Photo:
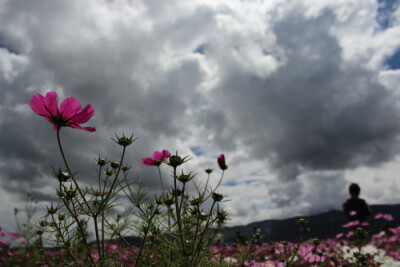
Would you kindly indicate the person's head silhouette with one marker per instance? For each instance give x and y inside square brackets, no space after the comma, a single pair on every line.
[354,190]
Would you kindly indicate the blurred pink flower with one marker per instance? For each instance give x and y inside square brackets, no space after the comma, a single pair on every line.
[158,158]
[13,236]
[365,224]
[339,235]
[388,217]
[353,212]
[70,113]
[378,216]
[352,223]
[4,242]
[349,234]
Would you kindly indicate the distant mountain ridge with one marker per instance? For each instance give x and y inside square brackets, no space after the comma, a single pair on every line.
[324,225]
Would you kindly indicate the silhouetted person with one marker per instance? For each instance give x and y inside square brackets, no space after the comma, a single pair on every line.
[356,208]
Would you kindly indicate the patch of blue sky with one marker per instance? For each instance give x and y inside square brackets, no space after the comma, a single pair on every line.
[393,62]
[247,182]
[196,150]
[385,12]
[200,49]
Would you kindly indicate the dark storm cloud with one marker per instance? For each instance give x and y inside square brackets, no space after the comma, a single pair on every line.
[116,71]
[316,112]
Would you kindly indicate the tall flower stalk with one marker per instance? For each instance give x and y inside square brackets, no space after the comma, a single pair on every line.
[174,226]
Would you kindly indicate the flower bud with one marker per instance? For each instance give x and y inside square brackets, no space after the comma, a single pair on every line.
[208,171]
[221,162]
[302,221]
[222,215]
[109,172]
[114,165]
[196,201]
[175,160]
[125,168]
[101,162]
[124,141]
[62,176]
[159,201]
[176,192]
[51,210]
[184,178]
[70,194]
[217,196]
[168,201]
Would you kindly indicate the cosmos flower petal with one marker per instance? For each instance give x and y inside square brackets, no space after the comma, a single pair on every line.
[39,105]
[70,107]
[165,154]
[157,155]
[148,161]
[83,116]
[89,129]
[52,103]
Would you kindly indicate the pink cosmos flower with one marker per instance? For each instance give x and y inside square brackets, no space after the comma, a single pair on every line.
[70,113]
[339,235]
[365,224]
[388,217]
[4,242]
[378,216]
[13,236]
[352,223]
[158,158]
[349,234]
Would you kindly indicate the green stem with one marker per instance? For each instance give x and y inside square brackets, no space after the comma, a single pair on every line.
[74,215]
[178,215]
[71,174]
[161,180]
[145,237]
[203,233]
[96,230]
[116,177]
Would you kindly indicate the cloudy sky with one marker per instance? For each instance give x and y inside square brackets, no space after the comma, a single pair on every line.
[301,96]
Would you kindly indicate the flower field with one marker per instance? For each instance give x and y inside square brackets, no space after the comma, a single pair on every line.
[382,249]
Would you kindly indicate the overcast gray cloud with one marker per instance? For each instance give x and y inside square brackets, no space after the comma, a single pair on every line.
[296,94]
